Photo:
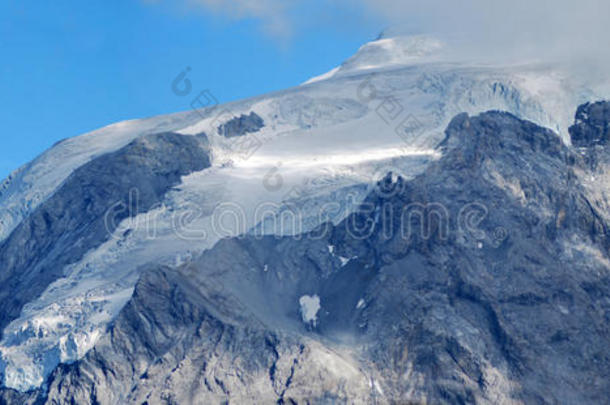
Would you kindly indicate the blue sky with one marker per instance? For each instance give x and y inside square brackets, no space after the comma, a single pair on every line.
[69,67]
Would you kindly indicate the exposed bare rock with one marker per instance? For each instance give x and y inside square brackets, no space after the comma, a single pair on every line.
[496,290]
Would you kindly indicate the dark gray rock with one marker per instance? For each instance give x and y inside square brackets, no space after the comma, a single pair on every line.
[242,125]
[506,293]
[73,220]
[496,290]
[11,397]
[591,126]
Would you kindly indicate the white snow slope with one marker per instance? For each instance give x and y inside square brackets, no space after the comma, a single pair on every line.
[383,110]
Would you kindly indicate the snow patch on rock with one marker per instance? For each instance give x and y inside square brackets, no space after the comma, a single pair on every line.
[310,305]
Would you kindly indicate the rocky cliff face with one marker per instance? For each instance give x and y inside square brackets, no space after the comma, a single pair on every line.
[73,220]
[84,212]
[486,279]
[592,125]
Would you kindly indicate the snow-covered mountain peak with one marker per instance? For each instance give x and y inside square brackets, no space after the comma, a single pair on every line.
[389,51]
[383,110]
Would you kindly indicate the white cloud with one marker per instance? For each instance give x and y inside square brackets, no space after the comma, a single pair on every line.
[496,29]
[273,14]
[527,28]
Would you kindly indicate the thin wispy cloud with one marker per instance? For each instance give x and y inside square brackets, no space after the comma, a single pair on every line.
[279,19]
[272,14]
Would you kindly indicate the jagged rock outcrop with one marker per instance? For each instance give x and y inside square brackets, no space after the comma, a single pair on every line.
[484,280]
[242,125]
[509,305]
[592,126]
